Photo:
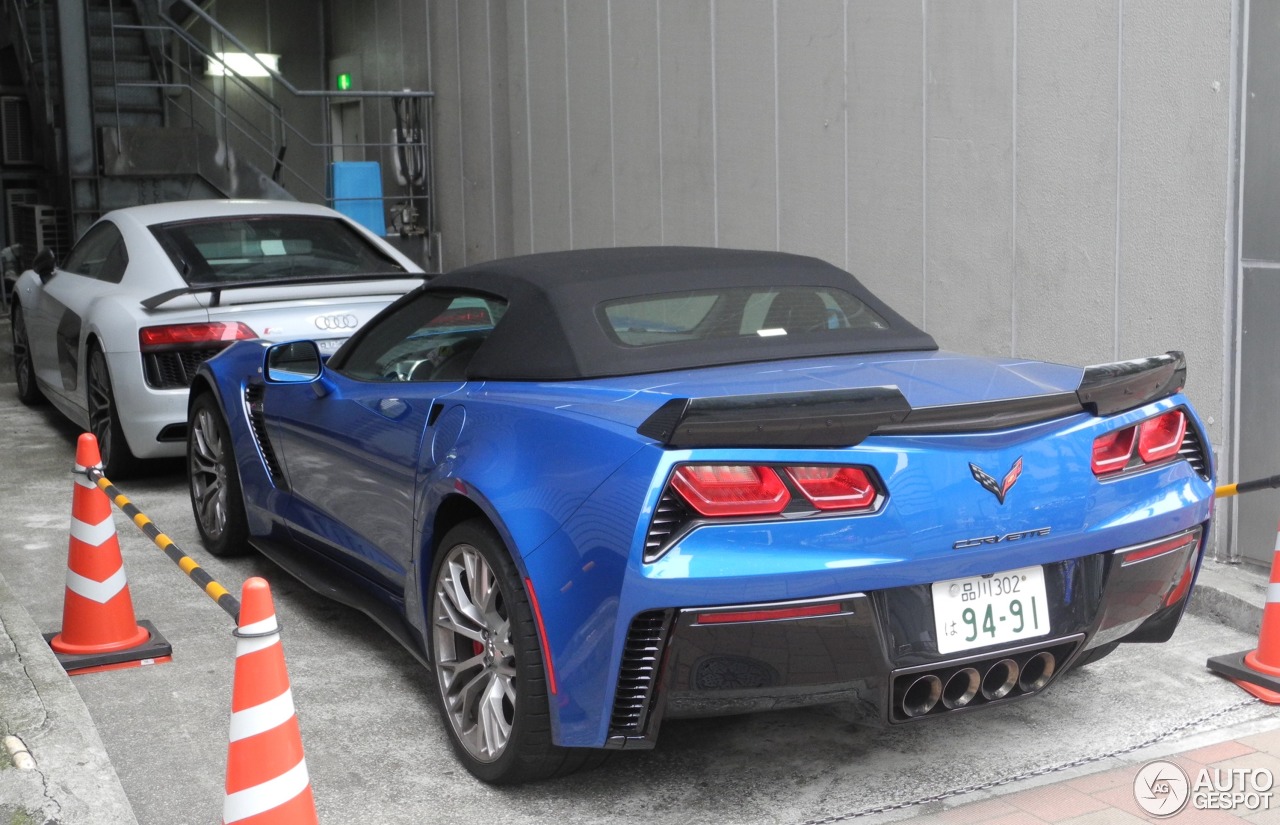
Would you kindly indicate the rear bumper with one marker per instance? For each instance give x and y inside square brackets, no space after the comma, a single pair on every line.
[878,650]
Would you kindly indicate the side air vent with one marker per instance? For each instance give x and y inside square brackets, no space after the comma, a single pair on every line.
[1194,452]
[253,404]
[638,675]
[669,517]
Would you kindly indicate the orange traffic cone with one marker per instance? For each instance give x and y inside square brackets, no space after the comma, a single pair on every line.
[98,628]
[267,781]
[1258,670]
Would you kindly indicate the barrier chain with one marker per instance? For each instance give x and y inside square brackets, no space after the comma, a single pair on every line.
[188,565]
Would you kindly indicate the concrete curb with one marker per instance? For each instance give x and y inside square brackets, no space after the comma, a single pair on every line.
[73,781]
[1230,594]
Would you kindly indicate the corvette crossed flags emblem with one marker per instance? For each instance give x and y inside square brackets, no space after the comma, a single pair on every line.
[999,489]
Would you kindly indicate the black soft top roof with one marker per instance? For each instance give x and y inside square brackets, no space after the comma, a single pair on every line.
[552,329]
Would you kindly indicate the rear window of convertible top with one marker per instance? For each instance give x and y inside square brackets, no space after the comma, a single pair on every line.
[735,312]
[266,247]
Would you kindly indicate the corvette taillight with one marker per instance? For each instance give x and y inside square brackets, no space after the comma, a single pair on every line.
[1161,437]
[731,489]
[1147,442]
[720,490]
[834,488]
[183,335]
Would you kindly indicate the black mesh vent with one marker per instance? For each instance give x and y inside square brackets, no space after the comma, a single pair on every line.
[670,515]
[1194,452]
[253,403]
[638,674]
[174,369]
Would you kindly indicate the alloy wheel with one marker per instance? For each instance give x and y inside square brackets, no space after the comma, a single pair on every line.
[474,653]
[207,465]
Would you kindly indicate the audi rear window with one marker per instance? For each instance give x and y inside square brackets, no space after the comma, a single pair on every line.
[209,252]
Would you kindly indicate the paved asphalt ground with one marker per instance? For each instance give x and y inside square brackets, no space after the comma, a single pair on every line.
[148,745]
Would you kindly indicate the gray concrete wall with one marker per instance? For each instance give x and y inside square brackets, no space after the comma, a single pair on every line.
[1023,177]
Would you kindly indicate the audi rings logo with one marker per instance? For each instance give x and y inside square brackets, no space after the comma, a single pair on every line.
[330,323]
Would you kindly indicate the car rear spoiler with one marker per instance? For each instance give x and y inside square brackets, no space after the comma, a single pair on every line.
[217,289]
[842,418]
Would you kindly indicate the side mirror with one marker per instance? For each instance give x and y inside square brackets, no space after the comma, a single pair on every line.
[44,263]
[297,362]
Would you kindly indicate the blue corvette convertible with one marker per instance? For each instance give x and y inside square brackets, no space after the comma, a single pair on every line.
[595,490]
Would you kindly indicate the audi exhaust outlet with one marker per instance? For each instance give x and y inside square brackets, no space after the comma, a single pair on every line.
[922,695]
[961,688]
[1000,679]
[1037,672]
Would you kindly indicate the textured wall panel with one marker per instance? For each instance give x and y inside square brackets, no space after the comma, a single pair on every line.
[548,130]
[590,126]
[746,100]
[447,121]
[969,168]
[688,208]
[637,164]
[811,130]
[1173,187]
[476,104]
[886,154]
[1067,108]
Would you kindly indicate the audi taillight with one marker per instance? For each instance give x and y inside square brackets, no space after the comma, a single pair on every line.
[731,489]
[834,488]
[1147,442]
[187,335]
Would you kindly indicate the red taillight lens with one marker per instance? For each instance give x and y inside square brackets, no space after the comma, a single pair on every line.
[1161,437]
[834,488]
[150,338]
[1111,451]
[769,614]
[731,489]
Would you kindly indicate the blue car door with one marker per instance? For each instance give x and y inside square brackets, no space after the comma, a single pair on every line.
[352,455]
[352,441]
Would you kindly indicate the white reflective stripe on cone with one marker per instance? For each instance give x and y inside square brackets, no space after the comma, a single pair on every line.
[100,592]
[1273,593]
[93,534]
[252,642]
[269,715]
[270,794]
[83,480]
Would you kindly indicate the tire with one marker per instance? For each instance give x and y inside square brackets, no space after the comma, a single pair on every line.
[488,663]
[23,367]
[118,460]
[214,481]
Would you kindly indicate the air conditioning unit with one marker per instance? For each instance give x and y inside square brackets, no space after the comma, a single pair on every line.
[37,226]
[16,147]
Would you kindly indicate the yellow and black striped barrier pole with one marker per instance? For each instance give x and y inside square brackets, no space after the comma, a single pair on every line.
[212,589]
[1228,490]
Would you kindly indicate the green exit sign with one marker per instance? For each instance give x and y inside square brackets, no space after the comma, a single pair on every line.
[344,82]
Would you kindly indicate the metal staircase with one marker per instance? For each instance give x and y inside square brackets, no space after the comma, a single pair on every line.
[123,114]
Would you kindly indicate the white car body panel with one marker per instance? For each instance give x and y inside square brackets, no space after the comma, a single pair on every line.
[111,315]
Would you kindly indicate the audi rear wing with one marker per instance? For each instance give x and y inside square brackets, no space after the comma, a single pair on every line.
[843,418]
[217,289]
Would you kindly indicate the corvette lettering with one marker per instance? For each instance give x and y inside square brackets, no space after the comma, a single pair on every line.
[965,544]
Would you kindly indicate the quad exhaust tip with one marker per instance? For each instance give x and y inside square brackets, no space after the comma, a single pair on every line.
[960,685]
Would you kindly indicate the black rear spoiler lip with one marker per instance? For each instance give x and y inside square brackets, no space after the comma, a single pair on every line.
[156,301]
[844,418]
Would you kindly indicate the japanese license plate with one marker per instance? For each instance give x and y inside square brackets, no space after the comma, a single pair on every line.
[330,345]
[986,610]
